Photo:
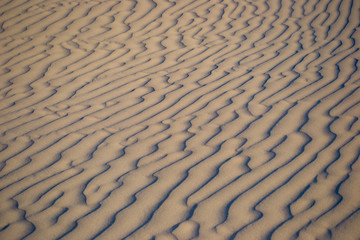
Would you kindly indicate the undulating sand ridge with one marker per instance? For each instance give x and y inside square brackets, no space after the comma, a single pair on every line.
[173,119]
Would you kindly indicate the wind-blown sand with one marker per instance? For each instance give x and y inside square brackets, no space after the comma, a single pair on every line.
[175,119]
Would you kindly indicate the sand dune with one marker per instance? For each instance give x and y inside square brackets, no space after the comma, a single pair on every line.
[171,119]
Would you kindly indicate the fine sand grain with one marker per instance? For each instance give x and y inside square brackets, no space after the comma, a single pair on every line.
[179,119]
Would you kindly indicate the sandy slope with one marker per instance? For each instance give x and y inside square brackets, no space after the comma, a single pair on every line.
[174,119]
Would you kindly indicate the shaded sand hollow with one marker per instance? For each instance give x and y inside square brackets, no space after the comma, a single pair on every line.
[179,119]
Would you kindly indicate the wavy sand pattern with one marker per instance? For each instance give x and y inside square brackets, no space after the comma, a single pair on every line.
[174,119]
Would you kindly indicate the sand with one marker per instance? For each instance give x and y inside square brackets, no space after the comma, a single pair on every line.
[175,119]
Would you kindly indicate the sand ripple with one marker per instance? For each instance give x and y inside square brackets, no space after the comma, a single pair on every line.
[170,119]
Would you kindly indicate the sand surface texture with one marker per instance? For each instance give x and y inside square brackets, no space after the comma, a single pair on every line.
[179,119]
